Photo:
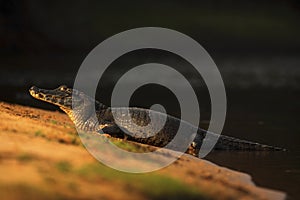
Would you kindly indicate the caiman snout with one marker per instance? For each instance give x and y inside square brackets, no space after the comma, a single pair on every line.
[33,90]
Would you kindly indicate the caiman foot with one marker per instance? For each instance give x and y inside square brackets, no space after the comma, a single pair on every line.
[105,135]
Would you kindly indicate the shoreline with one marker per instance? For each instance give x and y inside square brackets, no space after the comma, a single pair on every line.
[40,148]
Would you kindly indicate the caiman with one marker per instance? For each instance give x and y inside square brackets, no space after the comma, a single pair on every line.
[80,108]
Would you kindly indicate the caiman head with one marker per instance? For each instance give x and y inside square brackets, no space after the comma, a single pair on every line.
[67,99]
[78,106]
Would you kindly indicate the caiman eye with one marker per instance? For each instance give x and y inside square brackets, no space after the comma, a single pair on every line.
[63,87]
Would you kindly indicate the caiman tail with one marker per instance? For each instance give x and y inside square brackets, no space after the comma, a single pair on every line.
[230,143]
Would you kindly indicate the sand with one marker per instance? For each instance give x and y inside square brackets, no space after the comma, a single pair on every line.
[41,156]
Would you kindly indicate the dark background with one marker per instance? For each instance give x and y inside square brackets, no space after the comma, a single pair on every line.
[255,45]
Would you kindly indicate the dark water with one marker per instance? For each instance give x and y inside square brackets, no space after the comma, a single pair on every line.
[257,112]
[276,170]
[266,116]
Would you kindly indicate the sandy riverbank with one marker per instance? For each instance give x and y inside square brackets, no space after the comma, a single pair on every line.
[41,156]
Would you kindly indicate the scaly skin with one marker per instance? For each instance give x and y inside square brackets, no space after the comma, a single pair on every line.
[116,122]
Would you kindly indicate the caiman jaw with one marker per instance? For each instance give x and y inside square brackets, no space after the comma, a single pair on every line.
[38,94]
[60,96]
